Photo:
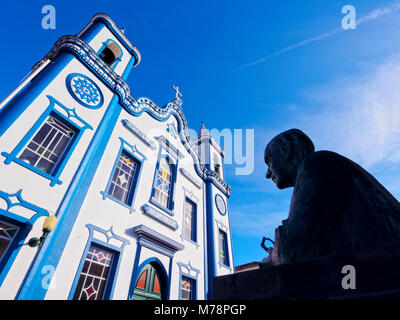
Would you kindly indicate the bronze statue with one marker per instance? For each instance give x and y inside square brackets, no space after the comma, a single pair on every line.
[336,205]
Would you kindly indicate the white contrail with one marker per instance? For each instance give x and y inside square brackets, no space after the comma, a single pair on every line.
[373,15]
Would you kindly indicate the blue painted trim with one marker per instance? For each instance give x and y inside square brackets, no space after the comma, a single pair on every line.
[51,251]
[230,234]
[12,251]
[86,55]
[164,276]
[194,226]
[170,278]
[171,128]
[215,199]
[24,224]
[188,275]
[156,242]
[128,68]
[160,242]
[226,251]
[205,249]
[68,84]
[134,271]
[133,152]
[91,32]
[16,106]
[211,273]
[154,246]
[54,176]
[117,59]
[174,173]
[40,212]
[104,19]
[112,276]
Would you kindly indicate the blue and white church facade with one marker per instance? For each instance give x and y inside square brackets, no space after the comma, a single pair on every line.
[141,208]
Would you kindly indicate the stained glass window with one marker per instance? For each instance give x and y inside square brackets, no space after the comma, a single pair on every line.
[156,284]
[94,275]
[124,173]
[163,183]
[141,283]
[222,246]
[46,148]
[187,288]
[8,232]
[189,220]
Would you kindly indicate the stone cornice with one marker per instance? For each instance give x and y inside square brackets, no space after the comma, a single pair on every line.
[143,232]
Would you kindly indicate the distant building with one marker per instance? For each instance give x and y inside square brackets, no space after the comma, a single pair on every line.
[142,209]
[247,267]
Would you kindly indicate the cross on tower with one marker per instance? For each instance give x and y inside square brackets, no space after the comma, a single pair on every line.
[178,94]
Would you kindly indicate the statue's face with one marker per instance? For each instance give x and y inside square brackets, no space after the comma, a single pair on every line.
[277,158]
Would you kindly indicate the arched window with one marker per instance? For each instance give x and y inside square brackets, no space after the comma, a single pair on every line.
[162,190]
[111,53]
[217,166]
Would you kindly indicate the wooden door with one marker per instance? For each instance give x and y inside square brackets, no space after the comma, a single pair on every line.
[148,285]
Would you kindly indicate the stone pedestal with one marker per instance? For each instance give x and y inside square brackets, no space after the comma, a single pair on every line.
[377,276]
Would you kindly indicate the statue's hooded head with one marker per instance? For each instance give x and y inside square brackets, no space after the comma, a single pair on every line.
[283,155]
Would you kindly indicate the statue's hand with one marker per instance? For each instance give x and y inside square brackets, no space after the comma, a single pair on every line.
[269,250]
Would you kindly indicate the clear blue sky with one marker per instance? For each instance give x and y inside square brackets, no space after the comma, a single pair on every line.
[342,89]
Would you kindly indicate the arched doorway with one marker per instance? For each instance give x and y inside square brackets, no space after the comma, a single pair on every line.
[148,285]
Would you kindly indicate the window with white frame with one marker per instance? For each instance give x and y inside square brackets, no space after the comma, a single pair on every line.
[223,247]
[122,180]
[189,220]
[8,233]
[187,288]
[46,148]
[162,190]
[94,275]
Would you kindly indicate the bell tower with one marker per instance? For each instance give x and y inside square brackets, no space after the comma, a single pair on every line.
[219,241]
[55,125]
[110,44]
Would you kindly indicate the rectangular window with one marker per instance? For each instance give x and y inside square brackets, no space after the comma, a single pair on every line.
[46,148]
[223,247]
[122,180]
[189,220]
[163,181]
[8,232]
[94,275]
[187,288]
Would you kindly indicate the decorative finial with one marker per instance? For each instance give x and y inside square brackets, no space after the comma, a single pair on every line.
[178,96]
[203,130]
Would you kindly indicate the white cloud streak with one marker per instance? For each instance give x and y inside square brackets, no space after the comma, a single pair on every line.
[360,117]
[371,16]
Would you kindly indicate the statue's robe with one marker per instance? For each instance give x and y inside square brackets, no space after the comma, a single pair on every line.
[336,207]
